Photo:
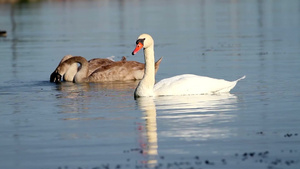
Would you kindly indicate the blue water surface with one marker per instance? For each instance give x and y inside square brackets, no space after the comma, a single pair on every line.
[100,125]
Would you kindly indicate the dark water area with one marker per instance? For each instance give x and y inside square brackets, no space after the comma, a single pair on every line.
[100,125]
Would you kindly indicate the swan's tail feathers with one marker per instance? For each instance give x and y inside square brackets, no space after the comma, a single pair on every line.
[157,63]
[241,78]
[231,86]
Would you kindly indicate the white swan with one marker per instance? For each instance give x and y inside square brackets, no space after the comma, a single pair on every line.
[186,84]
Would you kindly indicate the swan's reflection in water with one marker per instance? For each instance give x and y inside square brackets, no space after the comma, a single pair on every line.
[185,117]
[196,103]
[196,117]
[74,98]
[147,105]
[171,121]
[71,90]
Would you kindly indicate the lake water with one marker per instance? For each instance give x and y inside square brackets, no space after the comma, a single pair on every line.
[100,125]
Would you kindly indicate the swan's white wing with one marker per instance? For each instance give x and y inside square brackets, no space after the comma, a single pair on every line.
[188,84]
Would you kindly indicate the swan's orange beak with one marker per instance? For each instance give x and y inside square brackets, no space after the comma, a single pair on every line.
[138,47]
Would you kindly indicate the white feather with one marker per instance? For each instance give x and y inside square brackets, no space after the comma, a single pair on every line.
[188,84]
[112,58]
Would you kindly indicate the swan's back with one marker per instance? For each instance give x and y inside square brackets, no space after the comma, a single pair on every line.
[120,71]
[189,84]
[98,63]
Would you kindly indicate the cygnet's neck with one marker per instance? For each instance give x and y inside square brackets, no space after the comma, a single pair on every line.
[145,87]
[81,75]
[71,72]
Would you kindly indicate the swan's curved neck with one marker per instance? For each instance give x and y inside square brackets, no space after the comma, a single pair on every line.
[149,76]
[71,72]
[82,74]
[145,87]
